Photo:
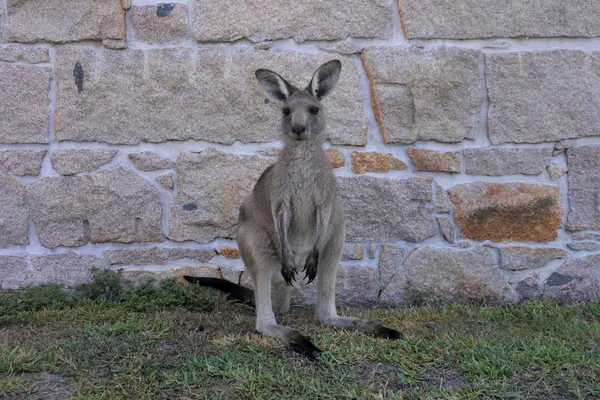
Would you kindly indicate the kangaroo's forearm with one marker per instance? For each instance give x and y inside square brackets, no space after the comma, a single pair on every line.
[282,222]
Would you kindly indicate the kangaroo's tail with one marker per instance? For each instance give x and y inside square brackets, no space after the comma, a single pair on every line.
[236,291]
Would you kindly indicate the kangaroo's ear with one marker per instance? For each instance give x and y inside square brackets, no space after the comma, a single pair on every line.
[325,79]
[274,85]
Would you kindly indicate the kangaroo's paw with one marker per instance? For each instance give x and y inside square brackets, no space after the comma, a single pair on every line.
[310,266]
[289,273]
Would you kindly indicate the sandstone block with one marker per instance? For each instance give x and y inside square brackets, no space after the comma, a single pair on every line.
[14,272]
[353,251]
[498,162]
[584,246]
[71,161]
[67,268]
[544,96]
[556,172]
[519,258]
[375,162]
[584,188]
[108,206]
[30,55]
[448,227]
[390,262]
[507,212]
[141,256]
[228,251]
[166,180]
[435,161]
[149,161]
[14,212]
[422,94]
[336,157]
[360,286]
[163,23]
[22,162]
[194,254]
[576,280]
[443,204]
[587,236]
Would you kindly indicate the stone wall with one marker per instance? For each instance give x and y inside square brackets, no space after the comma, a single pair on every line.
[465,135]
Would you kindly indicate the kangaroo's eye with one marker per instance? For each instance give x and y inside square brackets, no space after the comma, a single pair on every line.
[286,112]
[313,110]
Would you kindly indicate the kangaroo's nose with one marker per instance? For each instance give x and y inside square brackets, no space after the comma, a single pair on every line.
[298,129]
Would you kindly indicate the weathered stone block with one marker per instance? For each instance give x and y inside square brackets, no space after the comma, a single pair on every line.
[71,161]
[519,258]
[477,19]
[498,162]
[435,161]
[345,48]
[529,288]
[142,256]
[556,172]
[166,180]
[584,246]
[194,254]
[424,94]
[67,268]
[24,103]
[210,189]
[228,251]
[336,157]
[30,55]
[14,212]
[163,23]
[584,188]
[387,209]
[544,96]
[22,162]
[165,89]
[443,204]
[307,20]
[58,21]
[375,162]
[448,227]
[149,161]
[14,272]
[587,236]
[108,206]
[576,280]
[360,286]
[507,212]
[353,251]
[390,261]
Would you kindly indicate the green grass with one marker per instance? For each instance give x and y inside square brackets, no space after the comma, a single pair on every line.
[174,342]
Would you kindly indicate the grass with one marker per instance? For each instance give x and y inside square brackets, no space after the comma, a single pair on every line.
[170,341]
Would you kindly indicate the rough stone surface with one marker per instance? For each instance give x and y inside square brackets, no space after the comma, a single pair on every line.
[562,146]
[270,151]
[30,55]
[353,251]
[210,189]
[544,96]
[194,254]
[336,157]
[447,275]
[114,44]
[163,23]
[529,288]
[141,256]
[443,204]
[32,21]
[215,88]
[375,162]
[499,162]
[14,272]
[584,246]
[67,268]
[306,20]
[586,236]
[519,258]
[422,94]
[584,188]
[478,19]
[228,251]
[386,209]
[149,161]
[344,48]
[21,162]
[390,261]
[108,206]
[507,212]
[166,180]
[435,161]
[448,227]
[14,212]
[576,280]
[24,103]
[71,161]
[556,172]
[360,286]
[372,250]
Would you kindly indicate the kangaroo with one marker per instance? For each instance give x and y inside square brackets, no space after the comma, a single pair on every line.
[293,218]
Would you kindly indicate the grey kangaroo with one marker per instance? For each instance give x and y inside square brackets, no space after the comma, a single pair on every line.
[293,218]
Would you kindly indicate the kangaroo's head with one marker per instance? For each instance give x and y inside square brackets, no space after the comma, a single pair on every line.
[302,116]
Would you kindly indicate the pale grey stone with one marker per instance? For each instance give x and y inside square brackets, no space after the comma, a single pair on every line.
[22,162]
[556,172]
[498,162]
[30,55]
[544,96]
[14,212]
[107,206]
[372,250]
[214,88]
[562,146]
[422,94]
[114,44]
[443,204]
[140,256]
[390,261]
[478,19]
[211,186]
[230,274]
[14,272]
[519,258]
[24,103]
[576,280]
[587,236]
[194,254]
[270,151]
[457,275]
[288,19]
[162,23]
[387,209]
[353,251]
[67,268]
[59,21]
[75,161]
[448,227]
[584,188]
[166,180]
[149,161]
[345,48]
[584,246]
[360,286]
